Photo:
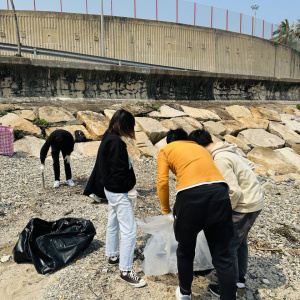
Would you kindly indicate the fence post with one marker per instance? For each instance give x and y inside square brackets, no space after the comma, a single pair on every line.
[7,5]
[60,5]
[111,7]
[134,2]
[272,32]
[263,30]
[241,16]
[156,11]
[34,5]
[280,35]
[194,13]
[286,37]
[211,16]
[86,6]
[227,19]
[176,11]
[292,40]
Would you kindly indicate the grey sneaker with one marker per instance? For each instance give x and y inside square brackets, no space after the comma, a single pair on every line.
[179,296]
[241,283]
[132,279]
[70,182]
[56,184]
[114,260]
[95,198]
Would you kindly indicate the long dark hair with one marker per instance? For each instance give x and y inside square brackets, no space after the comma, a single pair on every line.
[122,123]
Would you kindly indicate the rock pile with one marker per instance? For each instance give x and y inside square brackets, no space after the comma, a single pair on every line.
[270,138]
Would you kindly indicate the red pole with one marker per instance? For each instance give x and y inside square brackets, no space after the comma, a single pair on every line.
[7,5]
[211,16]
[86,6]
[111,8]
[280,35]
[60,5]
[241,15]
[176,11]
[263,33]
[252,25]
[292,40]
[156,11]
[272,31]
[134,8]
[34,5]
[227,19]
[286,35]
[194,13]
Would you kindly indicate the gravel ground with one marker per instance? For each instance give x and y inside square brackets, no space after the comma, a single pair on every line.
[274,264]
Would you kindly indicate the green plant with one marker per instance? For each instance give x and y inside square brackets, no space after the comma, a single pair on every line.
[3,102]
[298,106]
[3,113]
[9,109]
[42,123]
[140,103]
[154,106]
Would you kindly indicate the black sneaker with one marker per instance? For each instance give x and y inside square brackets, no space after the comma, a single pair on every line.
[132,279]
[114,260]
[241,283]
[214,289]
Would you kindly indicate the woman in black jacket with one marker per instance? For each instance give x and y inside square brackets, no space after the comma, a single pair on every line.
[118,179]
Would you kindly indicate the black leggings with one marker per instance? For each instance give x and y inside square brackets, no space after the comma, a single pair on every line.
[205,207]
[56,167]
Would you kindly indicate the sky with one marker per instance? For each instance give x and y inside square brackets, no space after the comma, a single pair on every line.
[272,11]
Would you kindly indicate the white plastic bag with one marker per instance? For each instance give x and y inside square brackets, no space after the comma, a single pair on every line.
[160,250]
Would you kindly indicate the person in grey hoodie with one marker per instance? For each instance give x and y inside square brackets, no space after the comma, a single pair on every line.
[245,193]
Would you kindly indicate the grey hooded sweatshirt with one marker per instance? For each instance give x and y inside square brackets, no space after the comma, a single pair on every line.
[244,188]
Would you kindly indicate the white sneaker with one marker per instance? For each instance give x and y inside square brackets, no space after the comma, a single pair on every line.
[56,184]
[179,296]
[70,182]
[95,198]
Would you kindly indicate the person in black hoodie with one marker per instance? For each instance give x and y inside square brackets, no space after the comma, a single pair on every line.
[118,180]
[59,140]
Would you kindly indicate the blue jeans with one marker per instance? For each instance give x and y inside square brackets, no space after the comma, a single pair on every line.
[238,246]
[120,218]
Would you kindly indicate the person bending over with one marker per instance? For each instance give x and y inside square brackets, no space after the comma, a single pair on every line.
[59,140]
[245,194]
[202,203]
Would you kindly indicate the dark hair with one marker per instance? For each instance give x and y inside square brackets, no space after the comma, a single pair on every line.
[176,135]
[201,137]
[122,123]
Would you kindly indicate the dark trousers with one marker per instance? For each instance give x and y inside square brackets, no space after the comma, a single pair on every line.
[238,245]
[56,167]
[206,207]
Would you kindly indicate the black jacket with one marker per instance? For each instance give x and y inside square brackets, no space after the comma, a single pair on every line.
[59,140]
[114,164]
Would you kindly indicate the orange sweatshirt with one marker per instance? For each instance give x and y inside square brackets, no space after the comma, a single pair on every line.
[191,164]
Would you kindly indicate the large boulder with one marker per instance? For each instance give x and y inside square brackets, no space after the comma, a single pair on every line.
[254,123]
[153,128]
[234,140]
[233,127]
[166,112]
[260,138]
[18,123]
[293,125]
[30,145]
[296,148]
[26,114]
[238,111]
[269,114]
[289,156]
[87,149]
[54,114]
[290,136]
[270,160]
[71,129]
[186,123]
[144,145]
[6,107]
[215,128]
[200,114]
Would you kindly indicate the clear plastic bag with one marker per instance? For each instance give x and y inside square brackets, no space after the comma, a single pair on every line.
[160,250]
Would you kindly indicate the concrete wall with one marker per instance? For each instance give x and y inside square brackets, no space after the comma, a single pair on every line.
[153,42]
[25,77]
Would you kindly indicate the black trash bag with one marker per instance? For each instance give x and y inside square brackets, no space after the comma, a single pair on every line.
[51,245]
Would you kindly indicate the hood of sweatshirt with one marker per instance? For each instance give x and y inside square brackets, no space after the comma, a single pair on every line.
[224,146]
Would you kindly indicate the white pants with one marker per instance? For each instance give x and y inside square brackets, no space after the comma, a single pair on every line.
[120,218]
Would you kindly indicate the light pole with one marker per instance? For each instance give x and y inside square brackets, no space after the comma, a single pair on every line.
[255,8]
[102,30]
[17,28]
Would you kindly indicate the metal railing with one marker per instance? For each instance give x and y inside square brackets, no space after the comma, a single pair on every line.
[84,57]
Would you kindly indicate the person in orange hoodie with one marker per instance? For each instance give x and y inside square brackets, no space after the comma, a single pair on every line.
[202,203]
